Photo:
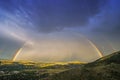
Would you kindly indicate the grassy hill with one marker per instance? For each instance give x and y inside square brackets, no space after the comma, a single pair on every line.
[106,68]
[28,70]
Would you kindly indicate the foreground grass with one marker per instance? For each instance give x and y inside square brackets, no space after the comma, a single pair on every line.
[106,68]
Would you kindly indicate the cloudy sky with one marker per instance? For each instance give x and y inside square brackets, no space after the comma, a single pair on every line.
[59,30]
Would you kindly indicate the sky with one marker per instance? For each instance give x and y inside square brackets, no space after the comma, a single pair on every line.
[59,30]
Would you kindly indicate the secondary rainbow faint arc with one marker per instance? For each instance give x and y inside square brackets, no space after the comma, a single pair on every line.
[110,45]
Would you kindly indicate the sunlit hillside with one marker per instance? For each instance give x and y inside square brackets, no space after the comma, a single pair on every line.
[24,70]
[106,68]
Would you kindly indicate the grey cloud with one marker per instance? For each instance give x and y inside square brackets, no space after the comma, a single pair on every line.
[108,21]
[54,15]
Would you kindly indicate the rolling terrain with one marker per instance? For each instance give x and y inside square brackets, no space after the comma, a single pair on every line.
[105,68]
[28,70]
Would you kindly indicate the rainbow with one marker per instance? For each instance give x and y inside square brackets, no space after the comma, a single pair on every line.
[16,54]
[94,46]
[90,42]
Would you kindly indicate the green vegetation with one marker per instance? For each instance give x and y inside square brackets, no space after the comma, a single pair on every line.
[106,68]
[27,70]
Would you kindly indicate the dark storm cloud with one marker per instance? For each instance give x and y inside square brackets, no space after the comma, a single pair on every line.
[66,14]
[54,15]
[108,20]
[7,47]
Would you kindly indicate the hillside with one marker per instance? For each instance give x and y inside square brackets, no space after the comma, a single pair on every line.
[28,70]
[106,68]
